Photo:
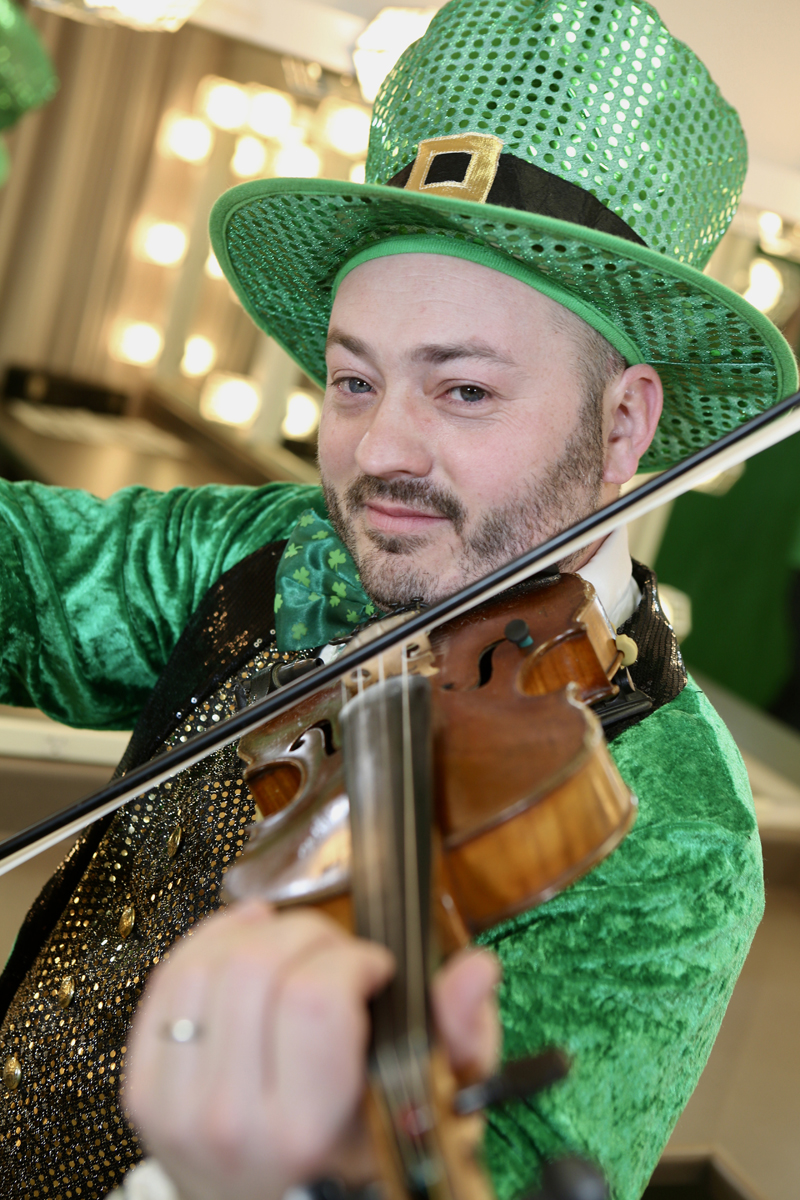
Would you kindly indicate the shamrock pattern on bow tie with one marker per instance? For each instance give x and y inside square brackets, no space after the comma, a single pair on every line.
[318,592]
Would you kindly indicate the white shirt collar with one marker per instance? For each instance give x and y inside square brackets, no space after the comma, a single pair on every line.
[610,572]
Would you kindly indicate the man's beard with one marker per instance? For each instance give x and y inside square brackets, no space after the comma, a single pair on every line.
[569,490]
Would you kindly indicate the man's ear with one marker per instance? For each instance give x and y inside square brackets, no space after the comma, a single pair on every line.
[632,404]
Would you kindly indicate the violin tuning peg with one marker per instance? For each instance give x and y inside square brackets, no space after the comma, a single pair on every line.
[572,1178]
[519,1079]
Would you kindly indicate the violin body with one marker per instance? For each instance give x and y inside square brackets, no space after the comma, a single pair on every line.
[527,797]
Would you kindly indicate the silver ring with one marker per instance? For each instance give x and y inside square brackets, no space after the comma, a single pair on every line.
[182,1031]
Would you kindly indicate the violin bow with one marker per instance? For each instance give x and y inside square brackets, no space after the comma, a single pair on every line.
[759,433]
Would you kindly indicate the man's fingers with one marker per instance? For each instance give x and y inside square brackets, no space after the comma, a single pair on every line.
[465,1007]
[273,999]
[194,985]
[320,1044]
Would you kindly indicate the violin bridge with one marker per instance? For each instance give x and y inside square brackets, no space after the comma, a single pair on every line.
[414,656]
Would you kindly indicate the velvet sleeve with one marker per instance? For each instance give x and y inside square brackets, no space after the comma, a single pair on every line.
[630,970]
[94,593]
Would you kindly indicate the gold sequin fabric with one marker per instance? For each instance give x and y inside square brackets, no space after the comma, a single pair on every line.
[62,1131]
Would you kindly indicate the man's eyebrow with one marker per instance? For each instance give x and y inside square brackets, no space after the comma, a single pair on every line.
[338,337]
[437,355]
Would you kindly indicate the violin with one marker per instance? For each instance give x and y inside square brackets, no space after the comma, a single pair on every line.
[435,791]
[527,795]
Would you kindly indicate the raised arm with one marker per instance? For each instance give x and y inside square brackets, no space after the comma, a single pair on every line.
[95,593]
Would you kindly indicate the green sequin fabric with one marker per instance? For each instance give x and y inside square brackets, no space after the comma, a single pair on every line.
[597,93]
[600,94]
[318,595]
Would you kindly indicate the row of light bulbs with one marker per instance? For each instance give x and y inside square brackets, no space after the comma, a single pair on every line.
[261,112]
[264,113]
[272,139]
[765,285]
[226,397]
[139,343]
[236,400]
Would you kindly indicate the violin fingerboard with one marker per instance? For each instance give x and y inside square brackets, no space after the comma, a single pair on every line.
[387,745]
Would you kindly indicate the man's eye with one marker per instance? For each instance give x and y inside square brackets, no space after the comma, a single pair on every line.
[354,385]
[469,393]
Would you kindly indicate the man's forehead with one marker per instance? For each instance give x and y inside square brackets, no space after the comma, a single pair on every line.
[435,308]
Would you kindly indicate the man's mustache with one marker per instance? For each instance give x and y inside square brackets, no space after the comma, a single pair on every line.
[411,492]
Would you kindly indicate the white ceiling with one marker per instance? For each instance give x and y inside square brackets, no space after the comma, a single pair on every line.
[311,29]
[752,51]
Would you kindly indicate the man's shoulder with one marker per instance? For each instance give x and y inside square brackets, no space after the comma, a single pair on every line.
[684,765]
[248,518]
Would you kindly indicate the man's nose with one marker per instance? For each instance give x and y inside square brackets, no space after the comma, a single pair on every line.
[398,439]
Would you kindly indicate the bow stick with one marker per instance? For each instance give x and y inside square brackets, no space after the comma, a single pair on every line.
[759,433]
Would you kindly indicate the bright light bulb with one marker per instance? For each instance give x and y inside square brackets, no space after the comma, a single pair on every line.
[144,12]
[302,415]
[161,242]
[250,157]
[358,172]
[297,162]
[137,342]
[167,15]
[212,268]
[225,104]
[185,137]
[231,399]
[345,127]
[383,41]
[766,285]
[271,113]
[199,356]
[771,225]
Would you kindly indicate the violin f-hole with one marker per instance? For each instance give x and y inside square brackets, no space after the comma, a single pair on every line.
[485,665]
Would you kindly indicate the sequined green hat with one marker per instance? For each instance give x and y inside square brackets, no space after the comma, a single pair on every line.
[574,144]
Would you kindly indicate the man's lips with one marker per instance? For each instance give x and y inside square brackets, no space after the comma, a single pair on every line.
[398,518]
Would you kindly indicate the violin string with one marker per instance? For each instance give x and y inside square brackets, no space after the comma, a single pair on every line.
[415,977]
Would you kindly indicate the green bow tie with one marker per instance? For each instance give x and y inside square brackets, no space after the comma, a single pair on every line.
[318,592]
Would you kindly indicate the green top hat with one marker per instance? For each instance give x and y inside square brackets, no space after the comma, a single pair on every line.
[574,144]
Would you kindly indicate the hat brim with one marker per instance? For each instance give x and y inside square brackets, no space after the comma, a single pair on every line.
[282,242]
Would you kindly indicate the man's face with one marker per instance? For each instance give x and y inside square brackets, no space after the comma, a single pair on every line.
[456,431]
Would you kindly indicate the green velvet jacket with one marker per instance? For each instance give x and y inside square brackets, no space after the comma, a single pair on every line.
[630,969]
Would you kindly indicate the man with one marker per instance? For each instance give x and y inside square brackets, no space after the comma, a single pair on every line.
[498,330]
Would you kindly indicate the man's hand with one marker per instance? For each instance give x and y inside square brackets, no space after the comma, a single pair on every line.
[267,1093]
